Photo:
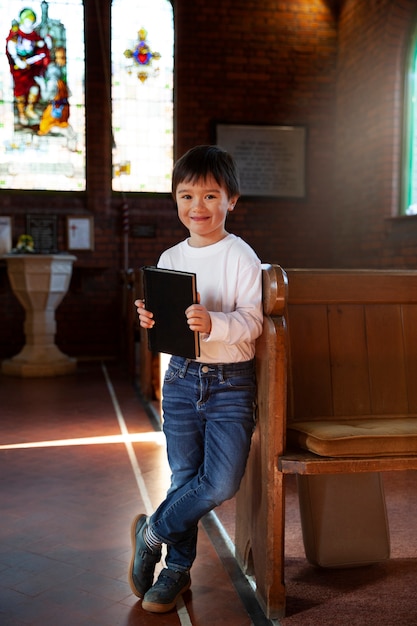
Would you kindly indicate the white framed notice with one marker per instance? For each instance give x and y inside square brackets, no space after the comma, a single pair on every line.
[5,234]
[271,159]
[80,233]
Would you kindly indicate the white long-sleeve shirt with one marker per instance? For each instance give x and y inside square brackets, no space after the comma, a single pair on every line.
[229,281]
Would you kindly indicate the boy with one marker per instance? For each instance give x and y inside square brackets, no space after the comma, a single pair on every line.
[208,404]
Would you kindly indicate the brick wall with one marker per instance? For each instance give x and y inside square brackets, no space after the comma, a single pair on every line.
[329,65]
[371,58]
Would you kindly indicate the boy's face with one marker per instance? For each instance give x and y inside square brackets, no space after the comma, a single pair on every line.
[203,208]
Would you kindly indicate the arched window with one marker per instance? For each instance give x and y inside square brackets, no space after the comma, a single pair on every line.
[409,190]
[142,40]
[42,112]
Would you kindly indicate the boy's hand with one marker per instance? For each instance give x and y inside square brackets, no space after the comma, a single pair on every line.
[145,317]
[198,318]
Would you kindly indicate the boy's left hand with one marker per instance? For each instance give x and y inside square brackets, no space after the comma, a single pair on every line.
[198,318]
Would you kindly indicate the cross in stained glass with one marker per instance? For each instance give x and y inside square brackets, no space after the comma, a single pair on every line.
[142,57]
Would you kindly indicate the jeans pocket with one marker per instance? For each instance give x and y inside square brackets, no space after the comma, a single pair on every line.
[241,382]
[171,374]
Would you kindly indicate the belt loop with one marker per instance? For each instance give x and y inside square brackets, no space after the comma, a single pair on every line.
[221,373]
[184,368]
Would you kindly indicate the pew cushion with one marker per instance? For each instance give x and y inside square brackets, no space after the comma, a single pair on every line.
[356,437]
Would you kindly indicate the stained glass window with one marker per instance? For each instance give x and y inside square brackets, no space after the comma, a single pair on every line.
[42,113]
[142,101]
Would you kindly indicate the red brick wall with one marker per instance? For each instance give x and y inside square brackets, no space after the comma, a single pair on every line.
[270,64]
[333,66]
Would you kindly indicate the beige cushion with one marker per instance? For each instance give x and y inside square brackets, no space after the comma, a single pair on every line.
[356,437]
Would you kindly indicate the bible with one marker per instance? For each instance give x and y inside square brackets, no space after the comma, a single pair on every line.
[168,293]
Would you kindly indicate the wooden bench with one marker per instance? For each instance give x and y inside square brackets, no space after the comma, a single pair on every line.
[337,395]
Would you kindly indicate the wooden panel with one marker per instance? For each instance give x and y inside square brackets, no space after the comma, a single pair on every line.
[259,536]
[310,393]
[386,359]
[354,286]
[349,360]
[409,314]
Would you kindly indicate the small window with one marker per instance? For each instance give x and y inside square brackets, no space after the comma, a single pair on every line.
[142,42]
[409,192]
[42,112]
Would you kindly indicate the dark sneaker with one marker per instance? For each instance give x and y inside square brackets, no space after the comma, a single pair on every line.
[163,596]
[143,561]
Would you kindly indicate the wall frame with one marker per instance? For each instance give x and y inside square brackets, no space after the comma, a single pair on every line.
[80,232]
[5,234]
[44,230]
[271,159]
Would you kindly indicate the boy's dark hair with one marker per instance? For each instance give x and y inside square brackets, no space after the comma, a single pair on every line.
[203,161]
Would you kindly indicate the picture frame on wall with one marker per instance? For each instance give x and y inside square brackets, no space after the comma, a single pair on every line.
[5,234]
[271,159]
[44,231]
[80,232]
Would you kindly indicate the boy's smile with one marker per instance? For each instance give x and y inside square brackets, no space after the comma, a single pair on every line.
[202,208]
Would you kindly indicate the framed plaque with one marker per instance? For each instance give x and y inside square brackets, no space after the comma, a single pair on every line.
[43,230]
[80,232]
[271,159]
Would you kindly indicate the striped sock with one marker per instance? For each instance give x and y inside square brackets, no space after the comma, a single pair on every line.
[151,540]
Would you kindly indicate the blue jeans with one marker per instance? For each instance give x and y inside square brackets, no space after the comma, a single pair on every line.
[209,417]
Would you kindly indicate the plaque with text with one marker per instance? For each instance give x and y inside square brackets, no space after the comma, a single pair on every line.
[270,159]
[43,229]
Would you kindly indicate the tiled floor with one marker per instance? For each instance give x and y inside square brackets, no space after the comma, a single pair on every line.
[79,457]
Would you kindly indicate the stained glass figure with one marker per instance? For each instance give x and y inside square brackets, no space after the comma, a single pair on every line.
[42,127]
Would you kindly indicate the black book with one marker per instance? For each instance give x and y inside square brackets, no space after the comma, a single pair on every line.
[168,293]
